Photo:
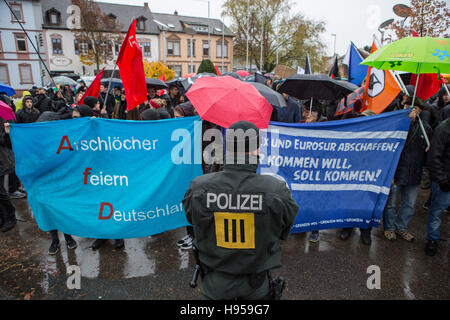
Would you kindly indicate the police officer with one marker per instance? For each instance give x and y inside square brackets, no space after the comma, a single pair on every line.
[239,217]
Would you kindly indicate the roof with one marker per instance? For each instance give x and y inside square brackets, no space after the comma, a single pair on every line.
[124,13]
[179,21]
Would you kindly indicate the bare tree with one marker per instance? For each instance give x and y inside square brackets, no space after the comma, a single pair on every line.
[427,18]
[97,35]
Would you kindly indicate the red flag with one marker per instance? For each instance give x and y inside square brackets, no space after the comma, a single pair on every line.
[94,88]
[131,69]
[163,77]
[429,83]
[217,70]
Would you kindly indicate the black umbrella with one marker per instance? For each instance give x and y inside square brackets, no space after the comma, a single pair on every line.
[274,98]
[232,74]
[347,85]
[307,86]
[260,78]
[115,82]
[155,83]
[177,82]
[187,83]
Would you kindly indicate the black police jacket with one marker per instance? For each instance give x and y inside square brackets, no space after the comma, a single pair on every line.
[238,218]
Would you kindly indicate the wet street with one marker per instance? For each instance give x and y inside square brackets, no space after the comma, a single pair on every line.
[155,268]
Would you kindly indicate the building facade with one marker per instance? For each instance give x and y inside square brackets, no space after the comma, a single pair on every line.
[64,51]
[176,35]
[20,66]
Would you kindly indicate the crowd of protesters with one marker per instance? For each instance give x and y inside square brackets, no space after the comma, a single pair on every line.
[419,165]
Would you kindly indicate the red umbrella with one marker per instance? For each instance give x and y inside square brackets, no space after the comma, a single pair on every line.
[226,100]
[6,112]
[189,75]
[243,73]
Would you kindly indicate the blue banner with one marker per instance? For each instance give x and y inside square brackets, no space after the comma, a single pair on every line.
[339,172]
[108,179]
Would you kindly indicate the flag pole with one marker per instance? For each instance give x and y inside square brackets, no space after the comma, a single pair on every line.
[109,84]
[446,89]
[427,140]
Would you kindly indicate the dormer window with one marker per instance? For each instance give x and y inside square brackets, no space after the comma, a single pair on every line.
[141,23]
[112,20]
[53,17]
[199,28]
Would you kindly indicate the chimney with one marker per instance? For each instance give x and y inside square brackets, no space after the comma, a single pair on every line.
[175,12]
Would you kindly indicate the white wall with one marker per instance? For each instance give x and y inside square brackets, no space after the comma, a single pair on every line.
[32,24]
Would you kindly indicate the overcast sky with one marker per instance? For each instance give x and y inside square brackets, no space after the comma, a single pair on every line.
[350,20]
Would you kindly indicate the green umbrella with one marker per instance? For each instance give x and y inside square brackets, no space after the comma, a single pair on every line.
[415,55]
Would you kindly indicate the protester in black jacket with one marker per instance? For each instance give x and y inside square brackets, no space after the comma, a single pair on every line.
[439,165]
[407,180]
[28,113]
[43,102]
[110,100]
[292,113]
[7,210]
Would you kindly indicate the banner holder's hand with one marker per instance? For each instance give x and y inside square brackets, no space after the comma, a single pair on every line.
[6,125]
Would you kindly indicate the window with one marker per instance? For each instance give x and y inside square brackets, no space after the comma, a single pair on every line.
[84,48]
[111,21]
[21,43]
[4,74]
[219,49]
[173,48]
[205,48]
[77,47]
[177,70]
[25,73]
[200,28]
[57,46]
[225,69]
[116,48]
[140,25]
[147,50]
[17,11]
[191,68]
[110,48]
[53,18]
[189,48]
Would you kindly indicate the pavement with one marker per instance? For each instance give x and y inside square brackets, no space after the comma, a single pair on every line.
[155,268]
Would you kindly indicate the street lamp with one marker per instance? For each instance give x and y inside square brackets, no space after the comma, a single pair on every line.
[191,32]
[209,32]
[163,27]
[248,30]
[334,50]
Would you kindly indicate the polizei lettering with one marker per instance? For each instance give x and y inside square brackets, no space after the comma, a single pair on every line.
[234,201]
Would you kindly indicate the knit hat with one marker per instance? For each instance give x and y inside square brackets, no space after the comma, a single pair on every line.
[243,133]
[84,110]
[154,104]
[150,114]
